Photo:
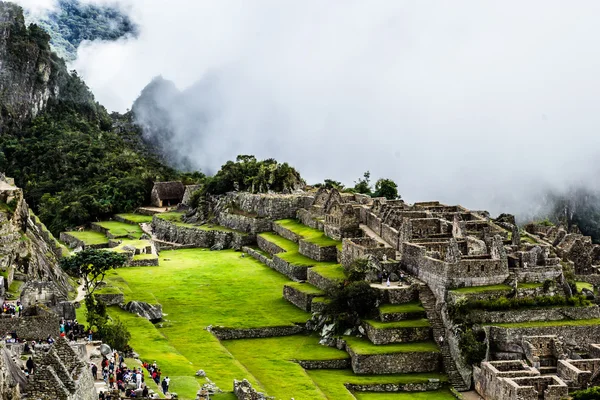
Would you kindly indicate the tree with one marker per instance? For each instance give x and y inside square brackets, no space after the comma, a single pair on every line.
[331,184]
[386,188]
[363,185]
[91,265]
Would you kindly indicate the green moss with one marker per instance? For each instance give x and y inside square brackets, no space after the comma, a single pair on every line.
[15,287]
[364,347]
[482,289]
[412,307]
[408,323]
[584,285]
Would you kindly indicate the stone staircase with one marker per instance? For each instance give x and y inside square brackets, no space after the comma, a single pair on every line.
[429,303]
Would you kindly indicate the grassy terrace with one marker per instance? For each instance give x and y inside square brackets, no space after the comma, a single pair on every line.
[271,361]
[363,346]
[90,237]
[408,323]
[412,307]
[309,234]
[197,288]
[306,288]
[145,257]
[334,272]
[285,244]
[542,324]
[482,289]
[138,244]
[436,395]
[108,290]
[136,218]
[119,229]
[177,219]
[331,382]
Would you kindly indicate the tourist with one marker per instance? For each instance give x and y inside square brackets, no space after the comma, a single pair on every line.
[165,384]
[111,380]
[388,282]
[95,371]
[138,379]
[90,336]
[30,366]
[101,396]
[441,340]
[145,391]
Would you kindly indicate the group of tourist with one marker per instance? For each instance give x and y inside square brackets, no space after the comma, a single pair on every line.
[12,309]
[129,382]
[71,329]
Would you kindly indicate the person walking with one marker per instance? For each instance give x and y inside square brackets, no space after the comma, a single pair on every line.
[30,366]
[95,371]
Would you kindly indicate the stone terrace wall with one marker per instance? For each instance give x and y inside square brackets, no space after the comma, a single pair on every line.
[244,224]
[396,363]
[294,272]
[539,314]
[306,218]
[268,246]
[258,256]
[398,335]
[299,298]
[317,252]
[577,336]
[270,206]
[190,235]
[31,328]
[233,333]
[73,242]
[286,233]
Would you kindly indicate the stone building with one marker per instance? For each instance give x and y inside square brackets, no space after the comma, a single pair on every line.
[166,194]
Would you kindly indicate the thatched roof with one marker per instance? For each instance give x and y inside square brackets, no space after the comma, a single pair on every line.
[169,190]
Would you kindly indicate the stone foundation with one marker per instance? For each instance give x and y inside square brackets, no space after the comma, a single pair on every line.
[394,363]
[198,237]
[268,246]
[396,335]
[325,364]
[30,328]
[250,333]
[317,252]
[294,272]
[298,298]
[320,281]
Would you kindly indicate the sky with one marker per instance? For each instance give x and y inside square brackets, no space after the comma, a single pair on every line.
[486,104]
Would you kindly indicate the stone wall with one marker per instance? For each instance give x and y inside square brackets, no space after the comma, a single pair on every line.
[286,233]
[146,262]
[191,235]
[432,384]
[356,248]
[306,218]
[316,252]
[243,390]
[396,335]
[73,242]
[110,299]
[258,256]
[250,333]
[270,206]
[299,298]
[244,223]
[534,314]
[292,271]
[395,363]
[268,246]
[31,328]
[325,364]
[320,281]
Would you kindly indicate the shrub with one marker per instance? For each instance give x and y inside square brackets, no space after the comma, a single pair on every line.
[592,393]
[472,346]
[548,283]
[115,334]
[358,270]
[503,303]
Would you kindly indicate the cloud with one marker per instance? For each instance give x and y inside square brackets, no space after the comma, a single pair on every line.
[479,103]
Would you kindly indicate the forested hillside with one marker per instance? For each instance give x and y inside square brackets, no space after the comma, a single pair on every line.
[73,22]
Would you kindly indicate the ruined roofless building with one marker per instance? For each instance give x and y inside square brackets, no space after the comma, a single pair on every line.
[167,193]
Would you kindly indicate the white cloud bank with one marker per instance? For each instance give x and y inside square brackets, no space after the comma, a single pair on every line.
[482,103]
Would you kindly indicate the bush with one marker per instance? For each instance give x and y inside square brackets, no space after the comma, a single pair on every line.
[358,270]
[592,393]
[548,283]
[472,346]
[115,334]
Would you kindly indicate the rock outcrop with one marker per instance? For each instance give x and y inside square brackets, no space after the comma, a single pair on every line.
[148,311]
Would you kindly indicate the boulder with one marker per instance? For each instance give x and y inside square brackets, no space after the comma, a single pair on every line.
[201,373]
[394,277]
[588,294]
[105,349]
[145,310]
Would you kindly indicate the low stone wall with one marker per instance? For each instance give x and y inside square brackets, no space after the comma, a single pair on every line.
[258,256]
[395,363]
[318,306]
[319,281]
[577,336]
[286,233]
[151,262]
[433,384]
[191,235]
[31,328]
[298,298]
[73,242]
[325,364]
[538,274]
[317,252]
[294,272]
[110,299]
[244,223]
[243,390]
[399,295]
[306,218]
[395,317]
[397,335]
[452,297]
[534,314]
[268,246]
[233,333]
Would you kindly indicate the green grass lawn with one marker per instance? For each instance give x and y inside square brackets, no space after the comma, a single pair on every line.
[309,234]
[482,289]
[364,346]
[408,323]
[334,272]
[284,243]
[331,381]
[136,218]
[197,288]
[119,229]
[270,360]
[145,257]
[108,290]
[412,307]
[434,395]
[540,324]
[90,237]
[138,244]
[306,288]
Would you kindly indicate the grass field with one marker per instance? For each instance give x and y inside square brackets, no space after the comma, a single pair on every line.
[412,307]
[117,228]
[306,288]
[90,237]
[136,218]
[197,288]
[364,346]
[436,395]
[482,289]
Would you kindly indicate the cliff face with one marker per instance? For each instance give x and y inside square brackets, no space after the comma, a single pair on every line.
[26,247]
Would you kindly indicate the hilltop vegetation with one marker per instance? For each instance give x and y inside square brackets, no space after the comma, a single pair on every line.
[73,22]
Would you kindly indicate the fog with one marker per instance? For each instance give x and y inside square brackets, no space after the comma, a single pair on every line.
[486,104]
